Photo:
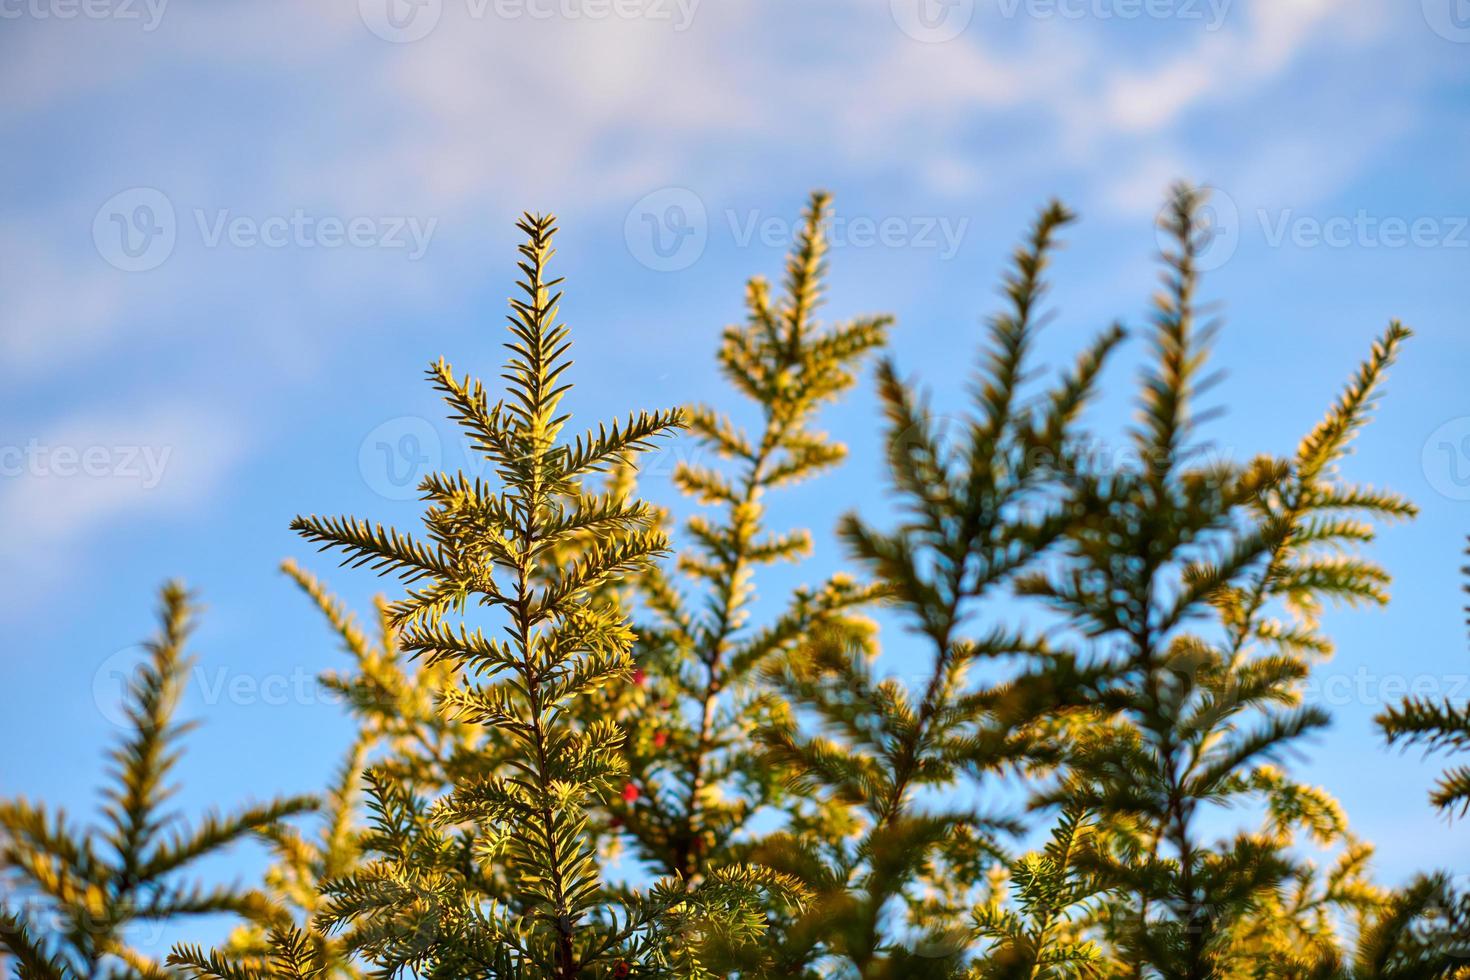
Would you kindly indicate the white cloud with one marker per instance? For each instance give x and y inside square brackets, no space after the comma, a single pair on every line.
[490,114]
[1142,189]
[52,304]
[1231,62]
[99,469]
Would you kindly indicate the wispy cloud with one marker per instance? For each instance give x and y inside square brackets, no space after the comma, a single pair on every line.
[93,470]
[52,303]
[1258,44]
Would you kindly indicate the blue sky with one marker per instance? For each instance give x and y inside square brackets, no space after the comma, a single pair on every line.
[233,234]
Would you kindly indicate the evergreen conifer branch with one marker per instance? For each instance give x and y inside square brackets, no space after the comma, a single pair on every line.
[542,551]
[76,901]
[1436,725]
[691,785]
[1043,935]
[979,507]
[808,814]
[1237,540]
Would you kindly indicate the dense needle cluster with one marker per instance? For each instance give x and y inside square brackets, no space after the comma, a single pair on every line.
[579,754]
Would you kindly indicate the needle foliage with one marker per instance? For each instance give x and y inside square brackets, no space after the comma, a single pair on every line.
[695,780]
[1044,718]
[77,896]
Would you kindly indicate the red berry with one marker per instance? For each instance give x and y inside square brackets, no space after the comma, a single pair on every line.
[660,739]
[638,676]
[622,969]
[630,793]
